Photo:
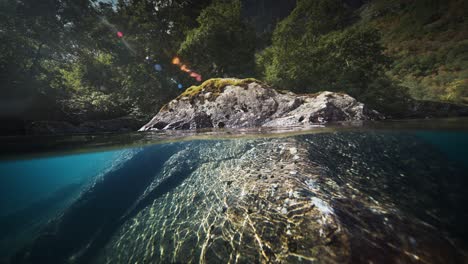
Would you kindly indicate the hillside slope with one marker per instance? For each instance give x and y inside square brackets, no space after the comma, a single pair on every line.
[428,39]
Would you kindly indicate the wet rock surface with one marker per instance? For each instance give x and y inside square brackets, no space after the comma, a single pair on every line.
[344,197]
[252,104]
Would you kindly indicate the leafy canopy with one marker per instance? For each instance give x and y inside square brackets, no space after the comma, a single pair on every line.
[223,44]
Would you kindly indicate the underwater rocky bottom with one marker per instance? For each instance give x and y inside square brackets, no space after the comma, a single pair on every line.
[340,197]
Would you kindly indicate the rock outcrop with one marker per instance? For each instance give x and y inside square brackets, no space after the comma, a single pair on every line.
[234,103]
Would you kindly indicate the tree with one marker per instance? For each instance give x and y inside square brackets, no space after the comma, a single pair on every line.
[61,59]
[33,37]
[223,44]
[313,49]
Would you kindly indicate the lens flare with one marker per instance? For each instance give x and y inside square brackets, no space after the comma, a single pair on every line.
[184,68]
[158,67]
[176,61]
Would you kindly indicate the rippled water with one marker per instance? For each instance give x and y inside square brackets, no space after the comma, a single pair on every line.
[392,192]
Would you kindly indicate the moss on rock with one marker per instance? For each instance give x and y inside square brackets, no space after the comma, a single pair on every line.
[214,86]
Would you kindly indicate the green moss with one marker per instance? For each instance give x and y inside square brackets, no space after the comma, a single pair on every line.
[164,108]
[215,86]
[282,91]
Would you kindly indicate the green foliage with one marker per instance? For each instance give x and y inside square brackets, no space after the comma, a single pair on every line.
[282,63]
[92,88]
[429,45]
[33,37]
[61,59]
[222,44]
[310,18]
[323,54]
[65,54]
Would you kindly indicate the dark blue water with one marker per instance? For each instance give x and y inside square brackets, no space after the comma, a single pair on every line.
[88,199]
[453,144]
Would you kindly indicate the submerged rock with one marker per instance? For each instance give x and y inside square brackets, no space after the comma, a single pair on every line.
[318,214]
[236,201]
[234,103]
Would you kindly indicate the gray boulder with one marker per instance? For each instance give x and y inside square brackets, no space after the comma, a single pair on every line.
[234,103]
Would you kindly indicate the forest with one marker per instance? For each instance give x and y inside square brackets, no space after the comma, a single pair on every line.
[79,60]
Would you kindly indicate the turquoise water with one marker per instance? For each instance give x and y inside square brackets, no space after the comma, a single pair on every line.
[22,182]
[34,191]
[374,194]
